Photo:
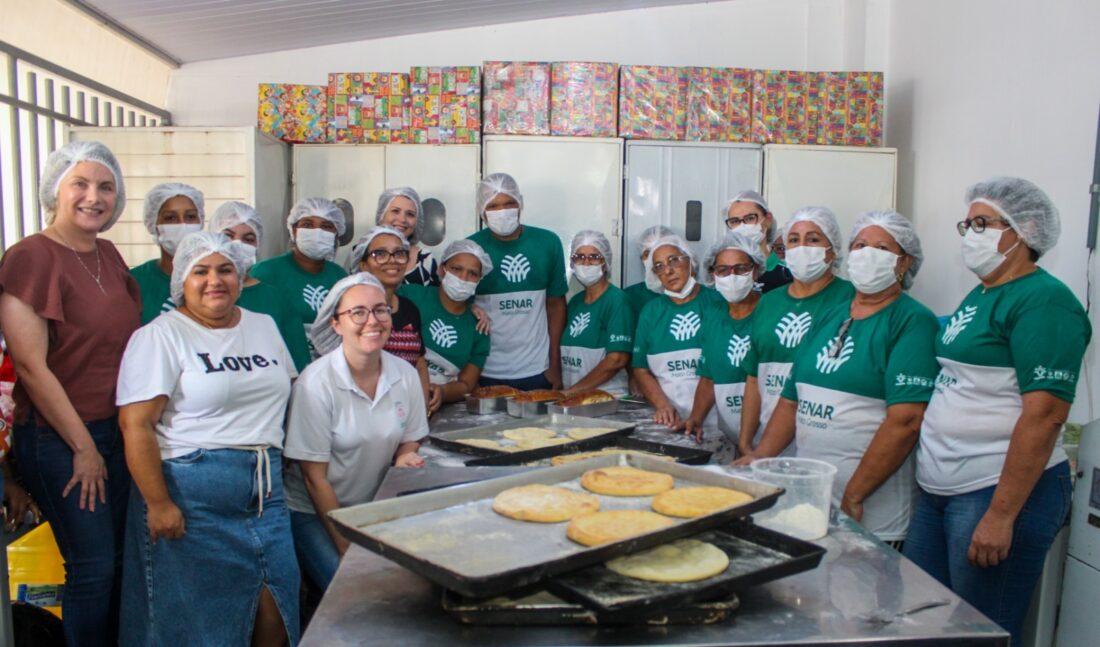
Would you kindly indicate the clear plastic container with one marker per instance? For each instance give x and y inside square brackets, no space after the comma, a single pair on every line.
[803,511]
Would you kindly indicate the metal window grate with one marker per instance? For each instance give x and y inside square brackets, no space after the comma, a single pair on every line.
[37,99]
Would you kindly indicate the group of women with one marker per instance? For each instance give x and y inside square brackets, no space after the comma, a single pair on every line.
[244,400]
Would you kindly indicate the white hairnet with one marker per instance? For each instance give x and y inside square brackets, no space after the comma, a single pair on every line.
[903,233]
[1025,206]
[748,195]
[650,235]
[195,247]
[387,197]
[62,160]
[161,193]
[319,207]
[233,213]
[679,243]
[467,246]
[359,249]
[595,239]
[732,240]
[322,335]
[494,185]
[825,219]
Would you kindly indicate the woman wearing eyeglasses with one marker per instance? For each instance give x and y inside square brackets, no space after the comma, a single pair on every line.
[599,329]
[994,480]
[784,317]
[862,379]
[400,208]
[668,341]
[747,213]
[353,413]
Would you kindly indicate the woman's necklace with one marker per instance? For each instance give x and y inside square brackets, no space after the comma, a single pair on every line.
[98,268]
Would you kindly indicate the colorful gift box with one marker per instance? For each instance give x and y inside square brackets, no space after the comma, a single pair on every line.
[368,107]
[293,113]
[853,109]
[780,114]
[652,102]
[269,118]
[826,108]
[516,98]
[446,105]
[719,104]
[583,99]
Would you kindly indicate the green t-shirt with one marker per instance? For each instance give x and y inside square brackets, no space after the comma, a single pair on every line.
[526,271]
[638,295]
[268,300]
[305,291]
[592,330]
[1026,335]
[842,394]
[725,344]
[771,262]
[450,341]
[156,291]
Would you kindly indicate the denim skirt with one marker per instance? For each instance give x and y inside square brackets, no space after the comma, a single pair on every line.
[204,588]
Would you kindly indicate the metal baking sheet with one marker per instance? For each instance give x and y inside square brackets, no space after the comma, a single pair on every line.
[524,409]
[557,422]
[589,410]
[540,607]
[482,406]
[685,455]
[453,537]
[757,555]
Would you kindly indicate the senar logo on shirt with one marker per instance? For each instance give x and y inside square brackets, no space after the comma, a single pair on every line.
[737,349]
[684,326]
[958,323]
[444,335]
[580,322]
[168,305]
[314,296]
[515,267]
[827,363]
[792,328]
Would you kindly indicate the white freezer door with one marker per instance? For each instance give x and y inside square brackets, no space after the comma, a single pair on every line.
[846,179]
[1078,622]
[683,185]
[354,173]
[568,183]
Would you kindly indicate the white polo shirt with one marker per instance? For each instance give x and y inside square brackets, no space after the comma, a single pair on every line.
[333,421]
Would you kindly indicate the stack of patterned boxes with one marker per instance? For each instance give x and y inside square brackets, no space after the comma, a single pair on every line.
[781,111]
[446,105]
[516,98]
[652,102]
[853,108]
[293,113]
[583,98]
[827,108]
[719,104]
[368,107]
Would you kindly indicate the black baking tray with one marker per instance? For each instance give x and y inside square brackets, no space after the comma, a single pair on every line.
[757,555]
[685,455]
[448,440]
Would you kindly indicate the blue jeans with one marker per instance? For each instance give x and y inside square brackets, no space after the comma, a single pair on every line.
[90,542]
[316,553]
[537,381]
[940,533]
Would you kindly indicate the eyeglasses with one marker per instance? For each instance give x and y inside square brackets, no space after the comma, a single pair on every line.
[382,313]
[741,269]
[670,262]
[383,256]
[587,259]
[735,221]
[978,224]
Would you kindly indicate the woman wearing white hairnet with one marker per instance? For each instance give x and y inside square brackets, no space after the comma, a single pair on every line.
[172,210]
[455,350]
[524,295]
[599,334]
[67,306]
[785,316]
[732,266]
[862,379]
[241,224]
[306,272]
[649,287]
[400,209]
[747,213]
[668,340]
[355,412]
[994,480]
[203,391]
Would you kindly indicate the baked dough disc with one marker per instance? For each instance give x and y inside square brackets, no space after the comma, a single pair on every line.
[697,501]
[684,560]
[484,443]
[580,456]
[528,433]
[625,481]
[538,443]
[583,433]
[613,525]
[544,503]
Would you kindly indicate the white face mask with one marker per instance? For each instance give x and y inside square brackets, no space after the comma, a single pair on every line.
[683,294]
[807,263]
[588,275]
[457,289]
[246,252]
[872,270]
[753,232]
[652,281]
[735,287]
[502,222]
[979,251]
[318,244]
[169,236]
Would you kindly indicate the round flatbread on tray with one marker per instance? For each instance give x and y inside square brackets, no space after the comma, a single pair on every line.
[565,459]
[625,481]
[484,443]
[544,503]
[584,433]
[605,527]
[539,443]
[528,433]
[684,560]
[697,501]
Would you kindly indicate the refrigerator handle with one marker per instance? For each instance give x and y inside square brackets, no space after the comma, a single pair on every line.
[693,220]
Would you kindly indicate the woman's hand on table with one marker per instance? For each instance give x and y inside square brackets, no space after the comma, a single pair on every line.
[666,415]
[693,427]
[435,398]
[409,459]
[851,507]
[165,521]
[745,459]
[991,540]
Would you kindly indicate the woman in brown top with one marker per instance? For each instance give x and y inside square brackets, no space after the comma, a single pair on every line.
[67,308]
